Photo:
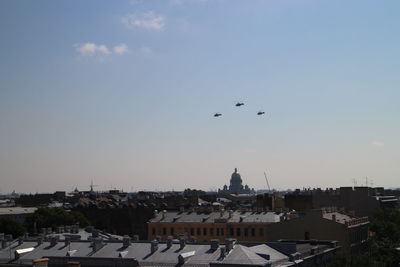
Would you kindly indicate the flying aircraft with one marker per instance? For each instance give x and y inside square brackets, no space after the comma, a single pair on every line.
[217,114]
[260,113]
[238,104]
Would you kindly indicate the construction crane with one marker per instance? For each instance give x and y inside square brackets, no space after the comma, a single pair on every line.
[266,179]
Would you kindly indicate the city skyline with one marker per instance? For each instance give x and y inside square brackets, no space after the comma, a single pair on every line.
[124,94]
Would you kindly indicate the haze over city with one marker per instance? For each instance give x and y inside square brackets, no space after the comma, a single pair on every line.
[124,93]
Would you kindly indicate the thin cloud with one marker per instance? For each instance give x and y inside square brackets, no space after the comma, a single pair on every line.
[148,20]
[377,144]
[146,50]
[120,49]
[91,49]
[181,2]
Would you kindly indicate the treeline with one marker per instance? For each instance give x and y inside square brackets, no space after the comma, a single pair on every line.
[43,218]
[382,248]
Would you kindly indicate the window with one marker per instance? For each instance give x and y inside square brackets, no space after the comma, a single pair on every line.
[231,232]
[246,231]
[153,231]
[307,235]
[222,231]
[253,232]
[217,231]
[238,231]
[204,231]
[261,232]
[211,231]
[164,231]
[198,231]
[172,230]
[191,231]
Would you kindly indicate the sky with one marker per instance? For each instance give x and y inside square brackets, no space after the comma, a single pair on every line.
[123,93]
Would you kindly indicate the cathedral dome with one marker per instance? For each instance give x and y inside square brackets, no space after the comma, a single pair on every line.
[236,178]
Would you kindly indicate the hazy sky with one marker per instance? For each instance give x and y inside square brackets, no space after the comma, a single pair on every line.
[124,92]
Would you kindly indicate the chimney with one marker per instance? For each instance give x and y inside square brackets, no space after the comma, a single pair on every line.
[229,243]
[169,242]
[230,213]
[95,233]
[20,241]
[164,213]
[154,246]
[97,244]
[67,241]
[3,244]
[126,241]
[182,242]
[221,212]
[223,252]
[53,241]
[334,217]
[39,240]
[214,244]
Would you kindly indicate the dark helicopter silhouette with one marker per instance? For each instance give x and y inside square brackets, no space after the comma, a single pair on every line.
[238,104]
[217,114]
[260,113]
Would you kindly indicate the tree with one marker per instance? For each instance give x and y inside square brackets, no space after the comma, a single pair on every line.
[9,226]
[53,217]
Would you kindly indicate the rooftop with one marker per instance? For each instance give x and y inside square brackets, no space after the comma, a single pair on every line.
[210,217]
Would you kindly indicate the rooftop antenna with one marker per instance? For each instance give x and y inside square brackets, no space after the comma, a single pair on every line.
[266,179]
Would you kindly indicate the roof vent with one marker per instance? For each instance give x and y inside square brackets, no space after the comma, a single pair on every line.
[71,253]
[154,246]
[19,252]
[123,254]
[182,258]
[214,244]
[294,256]
[314,250]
